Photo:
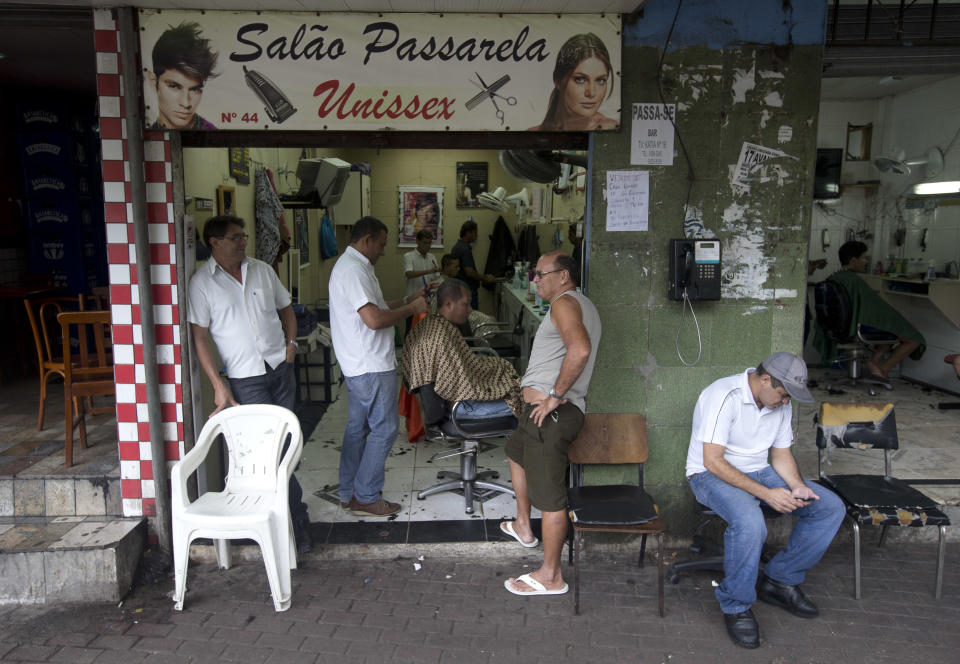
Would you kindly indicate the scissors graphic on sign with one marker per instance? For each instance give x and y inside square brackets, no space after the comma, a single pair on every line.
[490,92]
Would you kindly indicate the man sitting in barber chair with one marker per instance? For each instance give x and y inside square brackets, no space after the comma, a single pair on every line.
[436,353]
[869,309]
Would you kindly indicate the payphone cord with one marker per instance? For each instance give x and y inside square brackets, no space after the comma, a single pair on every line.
[683,313]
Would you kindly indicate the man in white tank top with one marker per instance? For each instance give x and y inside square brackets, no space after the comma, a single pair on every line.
[554,389]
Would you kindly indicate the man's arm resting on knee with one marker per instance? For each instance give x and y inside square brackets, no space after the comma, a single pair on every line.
[779,499]
[782,460]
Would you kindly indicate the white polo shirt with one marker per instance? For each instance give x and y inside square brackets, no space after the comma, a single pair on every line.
[415,261]
[242,318]
[359,349]
[727,415]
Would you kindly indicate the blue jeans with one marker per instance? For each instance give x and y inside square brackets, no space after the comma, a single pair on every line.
[481,410]
[370,433]
[746,531]
[276,387]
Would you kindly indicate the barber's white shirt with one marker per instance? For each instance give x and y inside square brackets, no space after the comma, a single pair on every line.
[415,261]
[242,318]
[727,415]
[359,349]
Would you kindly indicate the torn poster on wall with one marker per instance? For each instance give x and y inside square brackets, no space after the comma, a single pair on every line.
[752,167]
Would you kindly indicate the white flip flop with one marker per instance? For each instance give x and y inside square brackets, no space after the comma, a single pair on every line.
[538,588]
[506,527]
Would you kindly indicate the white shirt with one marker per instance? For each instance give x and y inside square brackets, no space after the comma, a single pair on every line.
[416,262]
[359,349]
[727,415]
[242,318]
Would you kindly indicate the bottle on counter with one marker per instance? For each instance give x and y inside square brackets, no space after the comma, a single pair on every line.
[931,273]
[878,268]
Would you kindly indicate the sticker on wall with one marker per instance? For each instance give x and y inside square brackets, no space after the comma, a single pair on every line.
[784,134]
[752,166]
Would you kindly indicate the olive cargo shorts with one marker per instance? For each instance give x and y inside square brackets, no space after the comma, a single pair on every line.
[542,452]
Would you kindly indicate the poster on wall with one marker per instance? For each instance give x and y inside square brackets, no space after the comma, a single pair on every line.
[651,134]
[471,182]
[315,71]
[302,229]
[240,164]
[421,208]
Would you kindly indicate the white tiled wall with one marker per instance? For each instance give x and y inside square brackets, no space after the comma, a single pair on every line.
[925,117]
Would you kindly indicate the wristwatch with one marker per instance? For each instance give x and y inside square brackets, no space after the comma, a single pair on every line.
[293,342]
[553,394]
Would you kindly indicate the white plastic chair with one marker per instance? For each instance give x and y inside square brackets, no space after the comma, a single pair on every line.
[253,504]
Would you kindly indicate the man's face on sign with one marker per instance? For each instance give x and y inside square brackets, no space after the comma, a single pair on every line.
[178,96]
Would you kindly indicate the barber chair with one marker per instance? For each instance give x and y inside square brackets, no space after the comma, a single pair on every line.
[834,315]
[708,552]
[457,423]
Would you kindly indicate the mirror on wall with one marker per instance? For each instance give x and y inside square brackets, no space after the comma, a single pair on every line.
[858,142]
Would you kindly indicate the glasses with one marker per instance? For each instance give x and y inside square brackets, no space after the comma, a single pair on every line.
[541,275]
[236,237]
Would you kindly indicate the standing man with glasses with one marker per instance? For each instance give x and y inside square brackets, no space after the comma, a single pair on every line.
[554,390]
[739,457]
[239,302]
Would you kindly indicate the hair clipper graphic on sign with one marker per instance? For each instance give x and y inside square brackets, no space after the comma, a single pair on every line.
[276,103]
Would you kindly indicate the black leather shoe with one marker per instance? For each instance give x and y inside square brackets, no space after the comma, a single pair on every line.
[301,535]
[786,597]
[743,629]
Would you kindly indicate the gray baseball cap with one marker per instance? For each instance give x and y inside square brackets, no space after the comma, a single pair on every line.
[792,372]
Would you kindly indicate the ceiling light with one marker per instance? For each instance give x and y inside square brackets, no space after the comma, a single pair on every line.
[937,188]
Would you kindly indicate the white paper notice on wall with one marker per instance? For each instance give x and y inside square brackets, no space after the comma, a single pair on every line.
[651,134]
[628,200]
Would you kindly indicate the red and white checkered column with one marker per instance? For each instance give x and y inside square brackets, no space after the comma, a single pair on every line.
[136,463]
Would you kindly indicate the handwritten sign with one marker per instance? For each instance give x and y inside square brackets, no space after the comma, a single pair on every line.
[651,134]
[628,200]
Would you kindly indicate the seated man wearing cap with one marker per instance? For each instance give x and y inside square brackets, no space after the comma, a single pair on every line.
[739,422]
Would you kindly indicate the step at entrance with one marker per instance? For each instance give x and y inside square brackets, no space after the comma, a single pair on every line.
[68,559]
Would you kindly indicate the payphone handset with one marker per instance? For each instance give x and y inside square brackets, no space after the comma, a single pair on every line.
[694,268]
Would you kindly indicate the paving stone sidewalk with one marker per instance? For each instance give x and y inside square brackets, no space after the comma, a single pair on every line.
[456,610]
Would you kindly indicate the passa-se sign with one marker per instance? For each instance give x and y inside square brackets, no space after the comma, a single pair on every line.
[296,71]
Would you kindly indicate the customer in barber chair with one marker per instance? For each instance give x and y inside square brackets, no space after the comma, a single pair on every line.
[435,352]
[869,309]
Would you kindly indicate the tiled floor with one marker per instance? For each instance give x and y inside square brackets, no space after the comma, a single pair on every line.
[437,518]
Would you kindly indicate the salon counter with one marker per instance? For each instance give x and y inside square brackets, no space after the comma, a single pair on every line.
[934,309]
[513,307]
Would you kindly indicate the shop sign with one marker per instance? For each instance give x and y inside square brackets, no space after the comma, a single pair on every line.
[440,72]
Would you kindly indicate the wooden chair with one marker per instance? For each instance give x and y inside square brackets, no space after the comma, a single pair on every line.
[606,439]
[87,372]
[42,314]
[98,299]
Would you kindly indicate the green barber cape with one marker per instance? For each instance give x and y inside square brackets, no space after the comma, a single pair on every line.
[868,309]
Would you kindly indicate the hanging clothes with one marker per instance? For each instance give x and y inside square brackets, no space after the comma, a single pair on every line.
[502,251]
[272,243]
[528,247]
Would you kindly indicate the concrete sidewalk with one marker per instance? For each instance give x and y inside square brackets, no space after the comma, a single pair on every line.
[455,609]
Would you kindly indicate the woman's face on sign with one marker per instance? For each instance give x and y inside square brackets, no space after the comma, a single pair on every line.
[586,87]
